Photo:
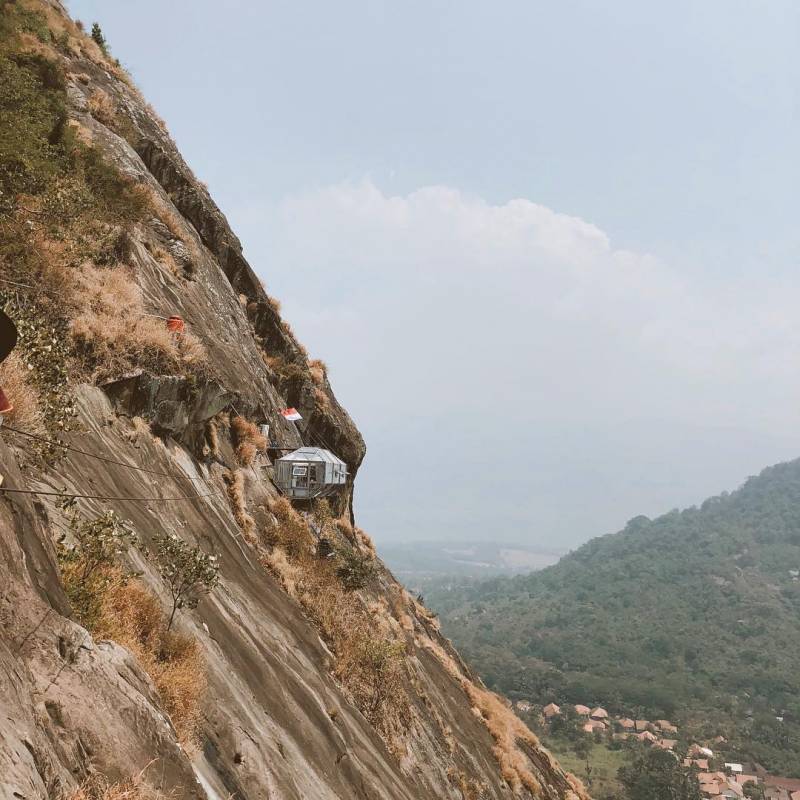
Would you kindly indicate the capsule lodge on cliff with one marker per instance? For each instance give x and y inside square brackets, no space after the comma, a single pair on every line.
[309,472]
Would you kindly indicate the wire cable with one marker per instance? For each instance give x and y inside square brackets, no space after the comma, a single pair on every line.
[110,497]
[59,443]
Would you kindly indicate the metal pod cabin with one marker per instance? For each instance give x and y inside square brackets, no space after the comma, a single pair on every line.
[309,472]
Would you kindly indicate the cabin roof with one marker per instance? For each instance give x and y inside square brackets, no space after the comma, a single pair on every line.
[314,454]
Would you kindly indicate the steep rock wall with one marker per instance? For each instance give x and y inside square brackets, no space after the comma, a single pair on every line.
[277,720]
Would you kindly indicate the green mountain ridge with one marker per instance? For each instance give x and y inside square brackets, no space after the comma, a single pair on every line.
[694,614]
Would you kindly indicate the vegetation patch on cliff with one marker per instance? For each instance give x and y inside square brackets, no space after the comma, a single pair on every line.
[370,661]
[113,604]
[66,215]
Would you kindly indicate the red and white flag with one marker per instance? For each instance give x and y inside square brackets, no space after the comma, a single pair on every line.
[291,414]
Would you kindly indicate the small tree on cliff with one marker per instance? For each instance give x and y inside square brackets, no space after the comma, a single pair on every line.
[98,38]
[188,571]
[98,541]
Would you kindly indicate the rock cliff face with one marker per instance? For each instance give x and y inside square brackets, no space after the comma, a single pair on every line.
[322,678]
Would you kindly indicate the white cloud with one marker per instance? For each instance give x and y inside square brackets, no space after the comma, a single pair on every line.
[450,317]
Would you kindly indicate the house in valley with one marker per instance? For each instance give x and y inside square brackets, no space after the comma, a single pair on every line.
[593,725]
[551,710]
[667,744]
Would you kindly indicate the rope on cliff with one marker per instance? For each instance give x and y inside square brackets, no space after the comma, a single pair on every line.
[65,446]
[215,493]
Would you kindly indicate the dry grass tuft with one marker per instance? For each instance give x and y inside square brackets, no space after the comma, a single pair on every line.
[321,400]
[175,222]
[289,531]
[400,613]
[154,115]
[470,788]
[22,394]
[103,108]
[113,334]
[98,788]
[212,438]
[285,570]
[247,439]
[365,541]
[318,370]
[191,350]
[236,494]
[165,259]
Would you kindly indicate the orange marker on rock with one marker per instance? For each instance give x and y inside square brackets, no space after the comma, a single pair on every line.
[175,324]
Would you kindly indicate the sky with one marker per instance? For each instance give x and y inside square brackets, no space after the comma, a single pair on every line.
[547,250]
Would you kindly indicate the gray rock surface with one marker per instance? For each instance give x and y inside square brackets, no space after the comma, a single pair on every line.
[70,705]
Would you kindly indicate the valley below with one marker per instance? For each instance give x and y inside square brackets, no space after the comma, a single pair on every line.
[692,617]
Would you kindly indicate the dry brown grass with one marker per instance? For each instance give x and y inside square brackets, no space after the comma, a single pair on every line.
[113,334]
[321,400]
[289,532]
[176,224]
[506,729]
[82,133]
[103,108]
[470,788]
[370,663]
[98,787]
[22,394]
[154,115]
[236,495]
[400,612]
[132,616]
[345,528]
[124,610]
[365,541]
[212,438]
[165,259]
[318,370]
[248,440]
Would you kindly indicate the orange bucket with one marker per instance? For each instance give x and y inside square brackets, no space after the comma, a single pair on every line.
[175,324]
[5,406]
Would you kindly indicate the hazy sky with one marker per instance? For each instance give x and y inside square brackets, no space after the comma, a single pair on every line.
[548,250]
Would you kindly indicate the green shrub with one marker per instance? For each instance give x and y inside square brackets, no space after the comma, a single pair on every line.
[188,572]
[354,568]
[34,139]
[89,559]
[98,38]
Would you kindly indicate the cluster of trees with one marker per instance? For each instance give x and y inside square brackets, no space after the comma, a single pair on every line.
[692,614]
[658,775]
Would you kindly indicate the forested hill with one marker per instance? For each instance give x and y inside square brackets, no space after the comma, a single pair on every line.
[696,612]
